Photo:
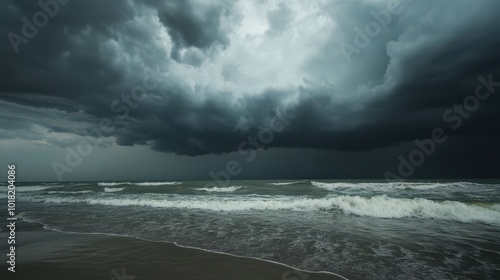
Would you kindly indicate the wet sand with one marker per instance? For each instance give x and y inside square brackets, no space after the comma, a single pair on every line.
[43,254]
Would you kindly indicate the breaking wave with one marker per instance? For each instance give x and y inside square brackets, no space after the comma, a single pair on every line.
[216,189]
[376,206]
[112,184]
[69,192]
[392,185]
[286,183]
[156,183]
[31,188]
[113,189]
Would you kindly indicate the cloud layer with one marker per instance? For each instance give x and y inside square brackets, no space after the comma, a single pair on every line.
[225,68]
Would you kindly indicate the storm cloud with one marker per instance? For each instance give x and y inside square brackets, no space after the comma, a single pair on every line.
[223,69]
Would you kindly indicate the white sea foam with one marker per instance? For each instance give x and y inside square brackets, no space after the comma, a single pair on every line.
[70,192]
[212,203]
[23,216]
[377,206]
[113,189]
[496,207]
[285,183]
[156,183]
[216,189]
[112,184]
[31,188]
[391,185]
[387,207]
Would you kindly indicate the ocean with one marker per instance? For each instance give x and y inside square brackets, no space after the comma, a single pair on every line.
[356,228]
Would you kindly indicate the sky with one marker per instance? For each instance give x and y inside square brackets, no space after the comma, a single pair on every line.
[226,90]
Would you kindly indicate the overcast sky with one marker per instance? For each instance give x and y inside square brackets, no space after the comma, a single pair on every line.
[174,90]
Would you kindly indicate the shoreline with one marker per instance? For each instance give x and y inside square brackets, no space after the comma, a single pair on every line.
[51,254]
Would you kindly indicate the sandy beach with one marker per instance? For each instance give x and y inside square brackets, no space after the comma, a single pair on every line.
[44,254]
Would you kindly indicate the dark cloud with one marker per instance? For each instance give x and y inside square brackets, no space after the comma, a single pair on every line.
[193,23]
[214,91]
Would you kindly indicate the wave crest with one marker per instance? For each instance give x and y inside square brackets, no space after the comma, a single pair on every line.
[217,189]
[112,184]
[113,189]
[144,184]
[376,206]
[286,183]
[392,185]
[388,207]
[69,192]
[31,188]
